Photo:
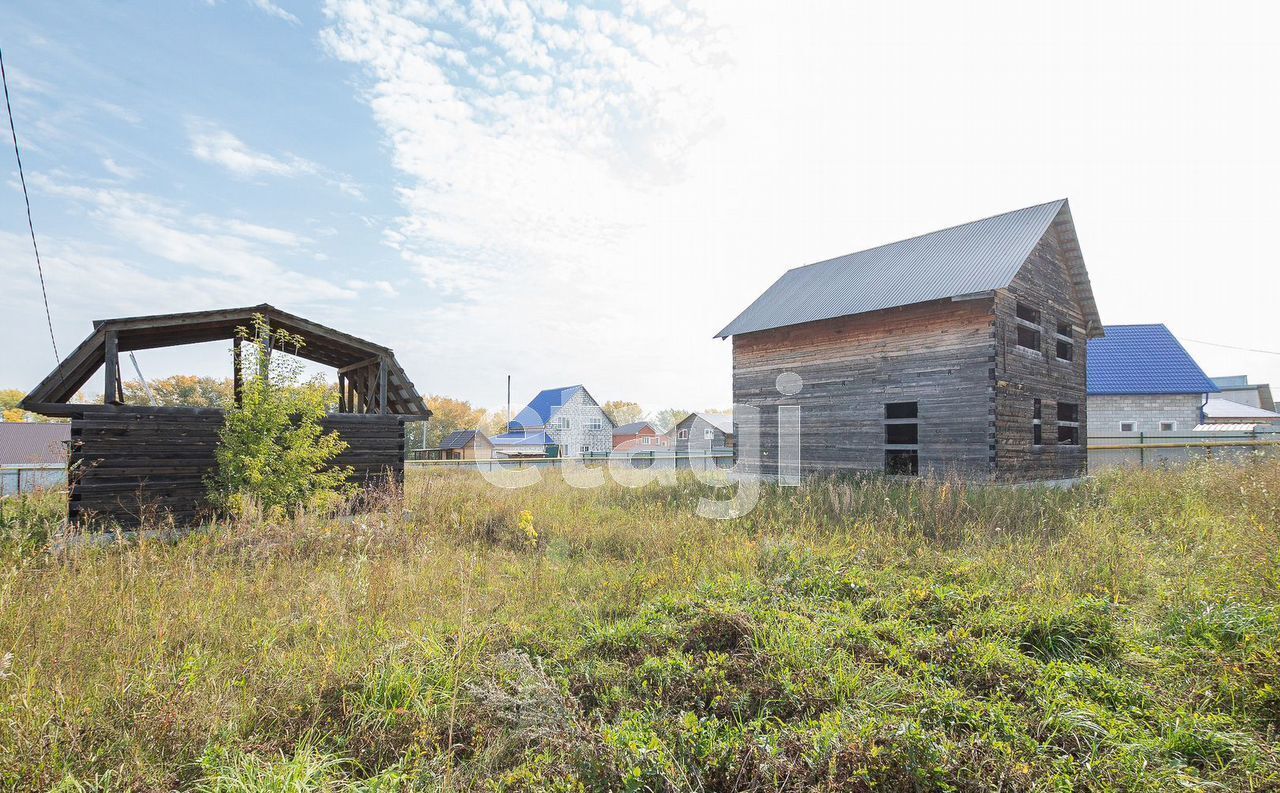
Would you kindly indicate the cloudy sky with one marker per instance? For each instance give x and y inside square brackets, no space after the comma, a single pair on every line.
[586,193]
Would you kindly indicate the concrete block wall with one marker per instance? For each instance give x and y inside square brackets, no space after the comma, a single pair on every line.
[1146,411]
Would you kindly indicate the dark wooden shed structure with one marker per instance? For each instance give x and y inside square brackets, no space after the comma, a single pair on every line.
[127,461]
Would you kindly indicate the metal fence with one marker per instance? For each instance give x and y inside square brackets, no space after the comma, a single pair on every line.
[1145,449]
[692,461]
[15,479]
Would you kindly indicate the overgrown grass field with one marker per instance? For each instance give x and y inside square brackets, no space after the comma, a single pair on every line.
[845,635]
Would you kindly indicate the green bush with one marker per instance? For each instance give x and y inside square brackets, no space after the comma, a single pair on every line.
[273,452]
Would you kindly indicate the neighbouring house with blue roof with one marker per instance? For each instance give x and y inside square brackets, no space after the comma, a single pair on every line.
[1143,382]
[558,422]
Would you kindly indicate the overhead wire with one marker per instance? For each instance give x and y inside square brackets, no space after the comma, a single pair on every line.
[17,153]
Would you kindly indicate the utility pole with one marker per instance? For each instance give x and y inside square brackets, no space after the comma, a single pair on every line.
[508,403]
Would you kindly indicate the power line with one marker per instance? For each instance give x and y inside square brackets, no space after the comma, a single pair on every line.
[1230,347]
[4,78]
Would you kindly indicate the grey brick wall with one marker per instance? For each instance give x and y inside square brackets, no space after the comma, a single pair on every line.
[581,411]
[1146,411]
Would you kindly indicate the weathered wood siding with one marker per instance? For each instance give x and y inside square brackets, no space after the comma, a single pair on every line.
[940,354]
[133,464]
[1022,376]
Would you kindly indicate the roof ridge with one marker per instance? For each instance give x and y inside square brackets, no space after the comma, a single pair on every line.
[929,233]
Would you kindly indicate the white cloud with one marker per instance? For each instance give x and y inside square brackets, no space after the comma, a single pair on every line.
[211,143]
[218,146]
[216,258]
[270,8]
[267,7]
[590,185]
[536,143]
[118,170]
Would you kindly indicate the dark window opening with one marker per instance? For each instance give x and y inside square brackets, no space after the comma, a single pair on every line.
[1064,329]
[1068,411]
[902,462]
[1028,327]
[1029,338]
[1068,424]
[902,434]
[901,430]
[901,410]
[1037,434]
[1066,351]
[1037,410]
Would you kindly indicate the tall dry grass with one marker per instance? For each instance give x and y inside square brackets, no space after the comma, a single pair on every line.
[399,644]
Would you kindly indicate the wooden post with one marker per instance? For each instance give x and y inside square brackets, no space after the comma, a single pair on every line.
[382,385]
[342,393]
[1142,450]
[111,388]
[237,376]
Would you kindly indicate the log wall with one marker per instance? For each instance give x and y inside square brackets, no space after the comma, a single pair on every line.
[134,464]
[1044,283]
[940,354]
[957,358]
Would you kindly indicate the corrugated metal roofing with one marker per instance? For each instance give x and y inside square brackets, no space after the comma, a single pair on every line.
[974,257]
[1143,359]
[1226,409]
[1268,429]
[633,428]
[457,440]
[718,420]
[32,443]
[539,411]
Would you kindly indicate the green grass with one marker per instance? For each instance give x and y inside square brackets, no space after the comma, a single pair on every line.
[846,635]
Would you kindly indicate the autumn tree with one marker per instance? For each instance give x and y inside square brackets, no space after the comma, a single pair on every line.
[621,412]
[181,390]
[667,418]
[447,415]
[9,410]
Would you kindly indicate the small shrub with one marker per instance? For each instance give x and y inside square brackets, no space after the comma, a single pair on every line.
[273,451]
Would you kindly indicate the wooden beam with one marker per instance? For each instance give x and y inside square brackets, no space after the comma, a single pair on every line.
[360,364]
[237,376]
[111,387]
[382,386]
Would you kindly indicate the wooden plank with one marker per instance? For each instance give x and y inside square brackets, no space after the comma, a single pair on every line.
[111,388]
[237,375]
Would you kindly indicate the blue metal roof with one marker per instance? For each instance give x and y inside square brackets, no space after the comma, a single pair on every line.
[1143,359]
[967,259]
[539,411]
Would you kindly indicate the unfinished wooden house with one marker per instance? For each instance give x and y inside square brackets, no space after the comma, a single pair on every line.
[130,461]
[958,351]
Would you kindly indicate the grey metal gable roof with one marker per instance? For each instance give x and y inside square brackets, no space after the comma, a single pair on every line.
[974,257]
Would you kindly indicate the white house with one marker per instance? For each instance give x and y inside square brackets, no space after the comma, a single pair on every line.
[558,422]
